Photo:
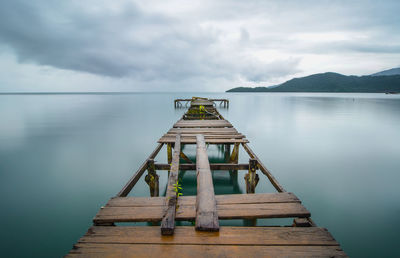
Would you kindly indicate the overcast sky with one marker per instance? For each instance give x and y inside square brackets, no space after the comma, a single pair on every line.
[190,45]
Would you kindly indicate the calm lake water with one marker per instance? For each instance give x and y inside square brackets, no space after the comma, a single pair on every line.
[63,156]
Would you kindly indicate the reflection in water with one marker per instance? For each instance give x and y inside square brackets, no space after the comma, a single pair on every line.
[63,156]
[225,182]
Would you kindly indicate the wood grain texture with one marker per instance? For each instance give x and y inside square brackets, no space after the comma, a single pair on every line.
[213,166]
[211,141]
[302,240]
[242,236]
[285,197]
[241,206]
[142,250]
[206,205]
[169,209]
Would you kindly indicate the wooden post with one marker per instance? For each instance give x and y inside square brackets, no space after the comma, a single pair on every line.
[168,220]
[235,154]
[169,153]
[206,206]
[301,222]
[263,169]
[152,178]
[227,152]
[251,178]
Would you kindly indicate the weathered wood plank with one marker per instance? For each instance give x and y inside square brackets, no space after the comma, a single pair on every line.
[211,141]
[188,212]
[202,122]
[285,197]
[168,219]
[227,236]
[213,166]
[206,206]
[143,250]
[207,136]
[133,180]
[202,130]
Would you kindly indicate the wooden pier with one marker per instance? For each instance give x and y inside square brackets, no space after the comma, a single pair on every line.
[203,125]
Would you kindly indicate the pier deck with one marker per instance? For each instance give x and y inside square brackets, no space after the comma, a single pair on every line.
[202,124]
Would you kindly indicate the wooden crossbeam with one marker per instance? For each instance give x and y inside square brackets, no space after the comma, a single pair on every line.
[210,141]
[213,166]
[263,169]
[206,206]
[168,219]
[186,158]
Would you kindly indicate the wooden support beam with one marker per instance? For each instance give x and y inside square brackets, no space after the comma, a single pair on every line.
[301,222]
[213,166]
[235,154]
[133,180]
[184,157]
[251,178]
[152,178]
[206,206]
[227,152]
[168,220]
[169,153]
[263,169]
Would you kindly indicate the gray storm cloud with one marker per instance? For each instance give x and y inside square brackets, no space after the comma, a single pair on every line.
[182,43]
[126,41]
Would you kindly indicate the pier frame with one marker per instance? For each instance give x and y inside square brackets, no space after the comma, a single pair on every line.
[107,238]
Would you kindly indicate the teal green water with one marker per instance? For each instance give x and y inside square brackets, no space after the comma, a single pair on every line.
[64,156]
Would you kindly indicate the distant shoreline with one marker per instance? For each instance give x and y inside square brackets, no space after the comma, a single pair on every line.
[333,83]
[132,93]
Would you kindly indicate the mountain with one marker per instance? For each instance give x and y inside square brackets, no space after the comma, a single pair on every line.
[332,82]
[393,71]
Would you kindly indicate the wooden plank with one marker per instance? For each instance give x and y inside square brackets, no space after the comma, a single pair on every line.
[196,124]
[135,178]
[301,222]
[202,130]
[263,210]
[145,250]
[221,121]
[206,206]
[203,126]
[202,122]
[264,169]
[213,166]
[211,141]
[240,236]
[168,219]
[285,197]
[188,212]
[207,136]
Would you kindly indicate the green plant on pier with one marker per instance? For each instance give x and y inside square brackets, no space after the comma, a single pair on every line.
[177,188]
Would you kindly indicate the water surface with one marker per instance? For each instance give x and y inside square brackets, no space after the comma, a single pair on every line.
[64,156]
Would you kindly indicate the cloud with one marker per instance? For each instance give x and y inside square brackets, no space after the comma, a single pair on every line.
[182,45]
[122,42]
